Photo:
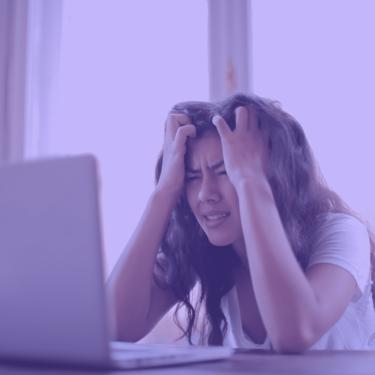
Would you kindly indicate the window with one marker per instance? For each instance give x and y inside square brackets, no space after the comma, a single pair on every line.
[123,64]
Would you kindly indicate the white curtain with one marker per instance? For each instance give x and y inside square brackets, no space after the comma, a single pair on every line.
[13,52]
[29,52]
[44,40]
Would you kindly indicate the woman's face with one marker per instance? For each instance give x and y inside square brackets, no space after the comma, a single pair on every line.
[210,194]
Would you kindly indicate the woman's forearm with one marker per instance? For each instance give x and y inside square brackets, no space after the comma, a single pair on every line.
[284,296]
[131,282]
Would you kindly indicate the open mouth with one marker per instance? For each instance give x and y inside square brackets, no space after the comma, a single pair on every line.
[215,219]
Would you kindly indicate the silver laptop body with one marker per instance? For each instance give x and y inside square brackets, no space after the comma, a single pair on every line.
[52,294]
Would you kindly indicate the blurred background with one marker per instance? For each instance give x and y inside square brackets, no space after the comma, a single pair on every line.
[99,76]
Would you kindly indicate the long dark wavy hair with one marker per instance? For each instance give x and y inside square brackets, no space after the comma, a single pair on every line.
[186,256]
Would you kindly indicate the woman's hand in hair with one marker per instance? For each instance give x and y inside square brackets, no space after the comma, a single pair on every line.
[177,130]
[243,148]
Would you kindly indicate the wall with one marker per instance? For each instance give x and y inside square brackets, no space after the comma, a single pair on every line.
[317,58]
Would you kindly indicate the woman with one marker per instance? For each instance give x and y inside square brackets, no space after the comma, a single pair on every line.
[239,207]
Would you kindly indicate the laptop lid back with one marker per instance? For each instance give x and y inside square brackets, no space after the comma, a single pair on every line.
[52,298]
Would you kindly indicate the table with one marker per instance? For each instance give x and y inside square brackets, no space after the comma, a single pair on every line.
[242,362]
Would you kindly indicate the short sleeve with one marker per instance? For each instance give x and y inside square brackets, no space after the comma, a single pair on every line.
[343,240]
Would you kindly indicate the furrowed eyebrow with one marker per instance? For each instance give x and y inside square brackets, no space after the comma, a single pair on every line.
[217,165]
[197,171]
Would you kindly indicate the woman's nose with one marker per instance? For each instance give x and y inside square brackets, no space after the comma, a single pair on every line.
[208,190]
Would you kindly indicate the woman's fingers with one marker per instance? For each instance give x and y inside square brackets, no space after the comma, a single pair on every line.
[221,126]
[174,122]
[246,119]
[183,132]
[178,129]
[242,120]
[252,119]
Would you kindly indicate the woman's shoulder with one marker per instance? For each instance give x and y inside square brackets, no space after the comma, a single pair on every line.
[339,218]
[339,226]
[337,231]
[343,240]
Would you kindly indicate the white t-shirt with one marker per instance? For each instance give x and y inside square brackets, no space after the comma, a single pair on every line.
[341,240]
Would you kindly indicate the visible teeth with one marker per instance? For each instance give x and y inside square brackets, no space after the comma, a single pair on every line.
[215,217]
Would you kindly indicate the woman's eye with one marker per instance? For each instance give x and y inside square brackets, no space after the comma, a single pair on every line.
[191,178]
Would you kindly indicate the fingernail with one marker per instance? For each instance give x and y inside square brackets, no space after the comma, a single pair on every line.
[240,108]
[215,119]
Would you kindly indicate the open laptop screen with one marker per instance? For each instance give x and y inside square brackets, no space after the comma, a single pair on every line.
[51,278]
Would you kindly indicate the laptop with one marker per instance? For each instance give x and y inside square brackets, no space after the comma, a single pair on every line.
[53,307]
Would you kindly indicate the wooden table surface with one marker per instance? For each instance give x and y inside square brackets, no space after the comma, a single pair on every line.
[317,363]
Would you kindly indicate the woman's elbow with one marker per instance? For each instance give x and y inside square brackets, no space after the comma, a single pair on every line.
[289,347]
[296,342]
